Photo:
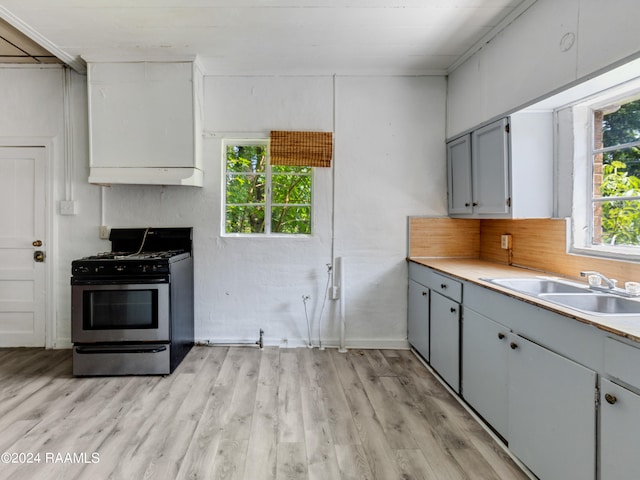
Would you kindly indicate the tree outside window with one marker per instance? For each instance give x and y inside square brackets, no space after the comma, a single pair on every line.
[261,198]
[616,175]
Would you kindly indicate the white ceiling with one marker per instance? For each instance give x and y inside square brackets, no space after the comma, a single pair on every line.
[269,36]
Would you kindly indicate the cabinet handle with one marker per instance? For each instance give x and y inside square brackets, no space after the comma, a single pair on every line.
[453,310]
[467,204]
[424,294]
[610,398]
[501,335]
[443,285]
[513,345]
[475,204]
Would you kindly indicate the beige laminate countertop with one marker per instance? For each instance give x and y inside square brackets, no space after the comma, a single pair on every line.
[473,270]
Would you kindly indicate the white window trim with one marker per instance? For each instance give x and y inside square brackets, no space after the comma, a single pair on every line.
[582,210]
[223,216]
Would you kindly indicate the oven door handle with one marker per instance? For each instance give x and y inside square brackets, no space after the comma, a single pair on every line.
[137,349]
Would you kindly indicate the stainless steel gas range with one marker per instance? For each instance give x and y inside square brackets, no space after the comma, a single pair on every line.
[132,308]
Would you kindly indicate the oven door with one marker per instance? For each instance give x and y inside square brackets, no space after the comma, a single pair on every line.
[133,311]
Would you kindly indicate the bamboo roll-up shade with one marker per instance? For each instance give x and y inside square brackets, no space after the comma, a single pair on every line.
[302,149]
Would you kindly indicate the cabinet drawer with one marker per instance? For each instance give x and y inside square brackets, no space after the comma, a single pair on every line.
[621,361]
[446,286]
[421,274]
[442,284]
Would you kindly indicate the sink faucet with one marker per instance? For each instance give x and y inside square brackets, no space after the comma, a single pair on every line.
[611,283]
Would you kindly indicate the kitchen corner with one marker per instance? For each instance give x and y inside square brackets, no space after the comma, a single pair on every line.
[470,249]
[560,387]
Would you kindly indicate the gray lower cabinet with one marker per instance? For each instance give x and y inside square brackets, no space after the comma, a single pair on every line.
[541,403]
[445,339]
[619,421]
[532,375]
[418,318]
[485,368]
[552,412]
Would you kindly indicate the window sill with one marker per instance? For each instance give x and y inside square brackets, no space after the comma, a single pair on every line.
[624,254]
[267,235]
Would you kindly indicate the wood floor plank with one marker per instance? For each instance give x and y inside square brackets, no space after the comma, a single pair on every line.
[413,464]
[395,427]
[321,454]
[292,462]
[245,413]
[339,415]
[290,424]
[353,463]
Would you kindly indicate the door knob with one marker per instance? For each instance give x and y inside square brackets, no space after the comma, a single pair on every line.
[37,243]
[38,256]
[610,398]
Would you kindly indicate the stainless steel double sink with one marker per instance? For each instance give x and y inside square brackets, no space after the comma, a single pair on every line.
[570,295]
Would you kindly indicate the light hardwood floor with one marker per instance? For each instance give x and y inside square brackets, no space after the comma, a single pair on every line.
[242,413]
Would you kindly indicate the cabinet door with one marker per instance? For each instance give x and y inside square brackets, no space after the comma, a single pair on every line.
[141,114]
[418,318]
[459,175]
[490,153]
[445,339]
[619,421]
[552,412]
[484,368]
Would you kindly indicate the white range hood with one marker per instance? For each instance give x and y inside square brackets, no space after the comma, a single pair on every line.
[144,123]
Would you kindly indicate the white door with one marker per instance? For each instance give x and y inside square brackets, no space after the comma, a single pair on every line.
[22,235]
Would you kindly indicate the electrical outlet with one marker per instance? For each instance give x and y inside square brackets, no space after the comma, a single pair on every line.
[505,242]
[104,232]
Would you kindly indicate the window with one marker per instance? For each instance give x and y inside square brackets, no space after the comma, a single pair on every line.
[261,198]
[615,160]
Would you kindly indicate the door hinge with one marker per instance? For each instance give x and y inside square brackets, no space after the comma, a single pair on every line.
[507,128]
[509,202]
[597,397]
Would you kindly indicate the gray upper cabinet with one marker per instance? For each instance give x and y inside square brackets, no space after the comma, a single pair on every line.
[503,169]
[459,175]
[490,169]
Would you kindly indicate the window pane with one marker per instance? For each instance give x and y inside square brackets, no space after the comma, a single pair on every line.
[244,219]
[617,223]
[291,189]
[246,158]
[620,124]
[291,220]
[290,169]
[245,188]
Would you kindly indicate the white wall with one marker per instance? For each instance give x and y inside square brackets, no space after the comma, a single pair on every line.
[554,44]
[31,99]
[389,163]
